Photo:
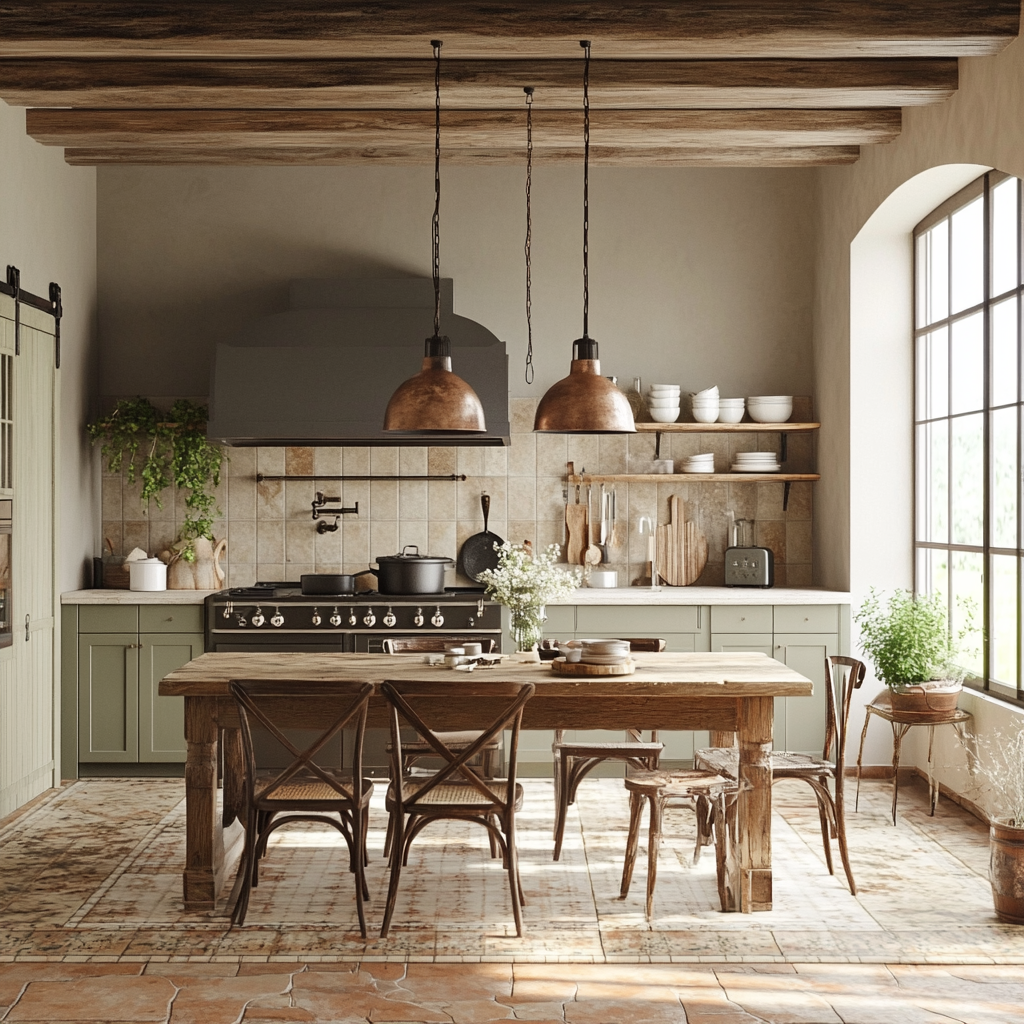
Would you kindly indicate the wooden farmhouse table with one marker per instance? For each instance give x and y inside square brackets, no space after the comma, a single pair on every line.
[722,692]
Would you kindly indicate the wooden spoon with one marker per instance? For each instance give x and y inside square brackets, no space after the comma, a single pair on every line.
[592,556]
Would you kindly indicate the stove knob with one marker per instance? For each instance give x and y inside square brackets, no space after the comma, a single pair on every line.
[352,620]
[471,622]
[316,617]
[417,619]
[335,618]
[257,618]
[437,618]
[228,609]
[277,619]
[242,622]
[389,619]
[369,618]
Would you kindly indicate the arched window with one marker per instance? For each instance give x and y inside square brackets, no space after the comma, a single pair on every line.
[967,331]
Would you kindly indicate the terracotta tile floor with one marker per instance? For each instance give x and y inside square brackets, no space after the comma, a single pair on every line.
[92,928]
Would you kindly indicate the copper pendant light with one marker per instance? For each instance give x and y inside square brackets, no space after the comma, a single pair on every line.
[435,401]
[585,402]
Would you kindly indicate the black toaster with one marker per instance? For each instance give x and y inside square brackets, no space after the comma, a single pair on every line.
[749,567]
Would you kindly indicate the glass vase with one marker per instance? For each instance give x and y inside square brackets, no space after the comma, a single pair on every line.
[527,626]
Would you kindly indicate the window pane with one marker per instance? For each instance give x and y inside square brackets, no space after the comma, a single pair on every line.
[968,476]
[1004,236]
[933,374]
[933,274]
[1003,329]
[967,595]
[932,471]
[1004,478]
[933,572]
[966,249]
[1003,641]
[968,371]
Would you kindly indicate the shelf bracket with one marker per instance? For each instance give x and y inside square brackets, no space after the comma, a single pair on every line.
[785,494]
[14,281]
[784,439]
[657,444]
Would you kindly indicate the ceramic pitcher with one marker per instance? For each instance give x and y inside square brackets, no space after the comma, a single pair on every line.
[206,568]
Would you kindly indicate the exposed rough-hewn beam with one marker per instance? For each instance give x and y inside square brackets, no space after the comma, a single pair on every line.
[461,129]
[469,84]
[530,28]
[776,156]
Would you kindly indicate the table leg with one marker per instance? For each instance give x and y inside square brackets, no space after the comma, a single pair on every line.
[203,839]
[898,732]
[233,778]
[755,815]
[860,753]
[933,786]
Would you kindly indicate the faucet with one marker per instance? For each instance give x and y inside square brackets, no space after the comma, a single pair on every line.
[652,547]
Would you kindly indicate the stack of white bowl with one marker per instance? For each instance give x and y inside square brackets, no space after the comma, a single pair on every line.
[604,652]
[704,405]
[770,408]
[730,410]
[699,463]
[755,462]
[663,402]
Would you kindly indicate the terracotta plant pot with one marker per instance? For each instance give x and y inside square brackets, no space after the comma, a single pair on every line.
[932,700]
[1006,870]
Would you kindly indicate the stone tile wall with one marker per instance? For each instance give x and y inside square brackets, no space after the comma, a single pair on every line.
[271,535]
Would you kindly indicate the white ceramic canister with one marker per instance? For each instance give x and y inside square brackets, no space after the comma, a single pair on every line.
[147,574]
[604,578]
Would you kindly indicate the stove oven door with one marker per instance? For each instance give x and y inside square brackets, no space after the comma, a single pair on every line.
[267,643]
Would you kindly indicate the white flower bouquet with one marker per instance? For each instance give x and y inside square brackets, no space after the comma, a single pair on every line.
[524,582]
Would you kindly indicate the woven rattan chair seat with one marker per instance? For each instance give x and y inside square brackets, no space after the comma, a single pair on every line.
[725,761]
[609,750]
[453,794]
[684,782]
[454,741]
[306,788]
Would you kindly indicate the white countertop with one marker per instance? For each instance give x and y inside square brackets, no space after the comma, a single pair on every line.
[135,596]
[704,596]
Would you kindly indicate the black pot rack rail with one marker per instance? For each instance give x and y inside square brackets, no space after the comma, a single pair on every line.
[51,305]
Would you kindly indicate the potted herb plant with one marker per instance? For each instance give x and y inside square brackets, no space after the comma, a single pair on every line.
[909,643]
[524,582]
[161,449]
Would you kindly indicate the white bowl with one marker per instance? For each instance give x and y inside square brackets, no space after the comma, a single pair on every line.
[770,398]
[729,414]
[732,402]
[662,399]
[771,412]
[664,387]
[702,415]
[712,391]
[666,415]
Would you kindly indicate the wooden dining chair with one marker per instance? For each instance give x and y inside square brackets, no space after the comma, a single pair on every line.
[712,797]
[456,790]
[842,676]
[573,761]
[416,750]
[308,788]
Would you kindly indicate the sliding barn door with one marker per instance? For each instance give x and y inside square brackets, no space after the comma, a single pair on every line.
[27,468]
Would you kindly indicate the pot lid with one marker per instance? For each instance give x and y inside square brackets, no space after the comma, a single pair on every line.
[406,557]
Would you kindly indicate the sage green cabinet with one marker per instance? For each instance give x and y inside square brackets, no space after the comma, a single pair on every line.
[114,657]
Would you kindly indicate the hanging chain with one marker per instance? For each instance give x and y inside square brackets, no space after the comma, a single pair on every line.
[529,229]
[436,224]
[585,43]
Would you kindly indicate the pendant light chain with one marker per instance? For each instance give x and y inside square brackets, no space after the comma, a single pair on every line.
[436,224]
[586,183]
[529,229]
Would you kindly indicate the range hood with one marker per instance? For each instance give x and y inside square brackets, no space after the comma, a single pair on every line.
[322,372]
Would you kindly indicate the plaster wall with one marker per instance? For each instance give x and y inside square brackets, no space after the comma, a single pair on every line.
[863,323]
[48,231]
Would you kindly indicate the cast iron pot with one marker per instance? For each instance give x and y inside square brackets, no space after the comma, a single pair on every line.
[331,583]
[411,573]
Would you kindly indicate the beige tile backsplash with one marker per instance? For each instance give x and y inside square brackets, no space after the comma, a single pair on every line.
[271,534]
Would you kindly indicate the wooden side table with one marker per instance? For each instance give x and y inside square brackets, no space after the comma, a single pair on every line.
[902,723]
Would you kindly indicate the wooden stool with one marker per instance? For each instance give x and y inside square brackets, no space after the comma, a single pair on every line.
[714,801]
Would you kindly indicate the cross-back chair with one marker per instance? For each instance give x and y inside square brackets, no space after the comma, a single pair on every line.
[456,790]
[842,676]
[416,750]
[307,788]
[573,761]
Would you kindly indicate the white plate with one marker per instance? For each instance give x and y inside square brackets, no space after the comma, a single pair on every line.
[756,469]
[602,659]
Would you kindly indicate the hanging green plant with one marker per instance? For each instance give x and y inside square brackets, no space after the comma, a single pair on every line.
[163,449]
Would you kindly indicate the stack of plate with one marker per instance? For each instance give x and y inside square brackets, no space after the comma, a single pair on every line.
[700,463]
[605,652]
[755,462]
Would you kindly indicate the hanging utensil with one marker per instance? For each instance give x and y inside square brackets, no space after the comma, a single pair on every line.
[592,556]
[478,552]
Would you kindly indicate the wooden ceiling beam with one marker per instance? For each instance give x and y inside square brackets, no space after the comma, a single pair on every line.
[461,129]
[475,84]
[530,28]
[777,156]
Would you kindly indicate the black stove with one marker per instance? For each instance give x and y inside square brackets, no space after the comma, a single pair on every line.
[277,616]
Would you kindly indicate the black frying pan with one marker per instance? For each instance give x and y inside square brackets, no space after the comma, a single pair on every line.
[478,553]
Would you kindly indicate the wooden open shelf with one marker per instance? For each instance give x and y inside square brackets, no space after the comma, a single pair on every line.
[726,428]
[692,478]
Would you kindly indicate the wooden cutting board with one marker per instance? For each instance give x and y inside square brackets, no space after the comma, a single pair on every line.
[576,527]
[561,667]
[682,548]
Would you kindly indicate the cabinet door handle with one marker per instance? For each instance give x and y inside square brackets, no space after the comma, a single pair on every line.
[132,647]
[27,618]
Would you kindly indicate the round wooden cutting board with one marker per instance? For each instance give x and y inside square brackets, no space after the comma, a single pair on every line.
[561,667]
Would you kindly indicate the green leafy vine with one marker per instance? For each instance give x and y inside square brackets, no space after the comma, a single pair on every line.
[163,449]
